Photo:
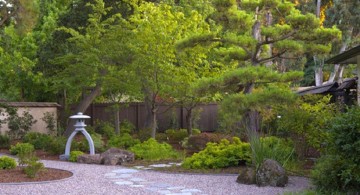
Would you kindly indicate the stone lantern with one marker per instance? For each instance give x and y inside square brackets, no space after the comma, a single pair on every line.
[79,127]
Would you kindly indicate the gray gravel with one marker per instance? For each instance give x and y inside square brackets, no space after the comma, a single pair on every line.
[99,179]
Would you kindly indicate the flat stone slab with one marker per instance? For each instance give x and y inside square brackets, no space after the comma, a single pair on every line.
[125,171]
[124,183]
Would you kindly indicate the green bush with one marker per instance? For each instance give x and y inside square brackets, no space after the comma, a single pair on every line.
[74,154]
[33,168]
[19,125]
[24,151]
[126,127]
[123,141]
[83,145]
[176,135]
[56,145]
[143,134]
[220,155]
[4,141]
[7,162]
[153,150]
[281,150]
[198,142]
[104,128]
[339,169]
[38,140]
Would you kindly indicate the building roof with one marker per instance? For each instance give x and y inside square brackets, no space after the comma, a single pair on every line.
[328,87]
[347,57]
[30,104]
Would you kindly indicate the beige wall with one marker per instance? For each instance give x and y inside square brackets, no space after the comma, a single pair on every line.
[37,113]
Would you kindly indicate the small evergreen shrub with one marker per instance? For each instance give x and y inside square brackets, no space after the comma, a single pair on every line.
[124,141]
[105,128]
[38,140]
[143,134]
[153,150]
[4,141]
[126,127]
[24,151]
[57,145]
[33,168]
[7,163]
[338,169]
[198,142]
[220,155]
[19,125]
[176,135]
[74,154]
[83,145]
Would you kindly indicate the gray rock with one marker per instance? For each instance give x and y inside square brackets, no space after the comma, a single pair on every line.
[89,159]
[115,156]
[271,173]
[246,176]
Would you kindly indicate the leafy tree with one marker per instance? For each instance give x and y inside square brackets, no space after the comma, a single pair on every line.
[247,29]
[157,28]
[96,52]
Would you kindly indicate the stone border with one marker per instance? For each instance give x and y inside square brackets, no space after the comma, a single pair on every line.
[42,182]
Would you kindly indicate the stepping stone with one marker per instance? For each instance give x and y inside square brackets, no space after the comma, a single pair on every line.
[180,193]
[110,174]
[176,188]
[160,165]
[125,171]
[124,175]
[124,183]
[137,186]
[160,185]
[138,167]
[164,191]
[190,190]
[137,179]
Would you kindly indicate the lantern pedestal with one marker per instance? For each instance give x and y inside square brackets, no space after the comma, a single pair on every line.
[79,127]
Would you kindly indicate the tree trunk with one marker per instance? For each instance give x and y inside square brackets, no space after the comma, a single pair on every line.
[189,121]
[318,6]
[117,121]
[336,72]
[318,76]
[154,124]
[82,106]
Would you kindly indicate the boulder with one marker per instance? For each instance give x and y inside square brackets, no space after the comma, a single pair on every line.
[247,176]
[115,156]
[89,159]
[270,172]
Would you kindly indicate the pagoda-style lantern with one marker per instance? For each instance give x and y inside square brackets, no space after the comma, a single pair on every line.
[79,127]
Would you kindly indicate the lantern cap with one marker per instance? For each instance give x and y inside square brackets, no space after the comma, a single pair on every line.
[79,116]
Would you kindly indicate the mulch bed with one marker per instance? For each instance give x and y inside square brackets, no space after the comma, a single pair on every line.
[17,175]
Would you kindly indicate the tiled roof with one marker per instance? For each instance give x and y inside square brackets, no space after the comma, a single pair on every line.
[30,104]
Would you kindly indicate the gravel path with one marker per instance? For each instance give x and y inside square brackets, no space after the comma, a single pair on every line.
[113,180]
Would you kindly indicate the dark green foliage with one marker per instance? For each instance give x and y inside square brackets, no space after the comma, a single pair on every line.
[33,168]
[176,135]
[38,140]
[83,145]
[74,154]
[105,128]
[50,120]
[57,145]
[7,162]
[198,142]
[4,141]
[220,155]
[339,170]
[20,125]
[24,151]
[123,141]
[153,150]
[127,127]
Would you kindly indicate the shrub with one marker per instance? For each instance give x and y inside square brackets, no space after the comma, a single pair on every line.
[4,141]
[198,142]
[144,134]
[83,145]
[19,125]
[24,151]
[38,140]
[176,135]
[126,127]
[50,120]
[74,154]
[56,145]
[339,170]
[123,141]
[220,155]
[7,162]
[33,168]
[281,150]
[153,150]
[105,128]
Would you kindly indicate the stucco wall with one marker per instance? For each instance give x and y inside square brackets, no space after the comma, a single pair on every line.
[37,110]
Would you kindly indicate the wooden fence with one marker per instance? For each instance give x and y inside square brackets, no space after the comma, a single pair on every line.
[206,115]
